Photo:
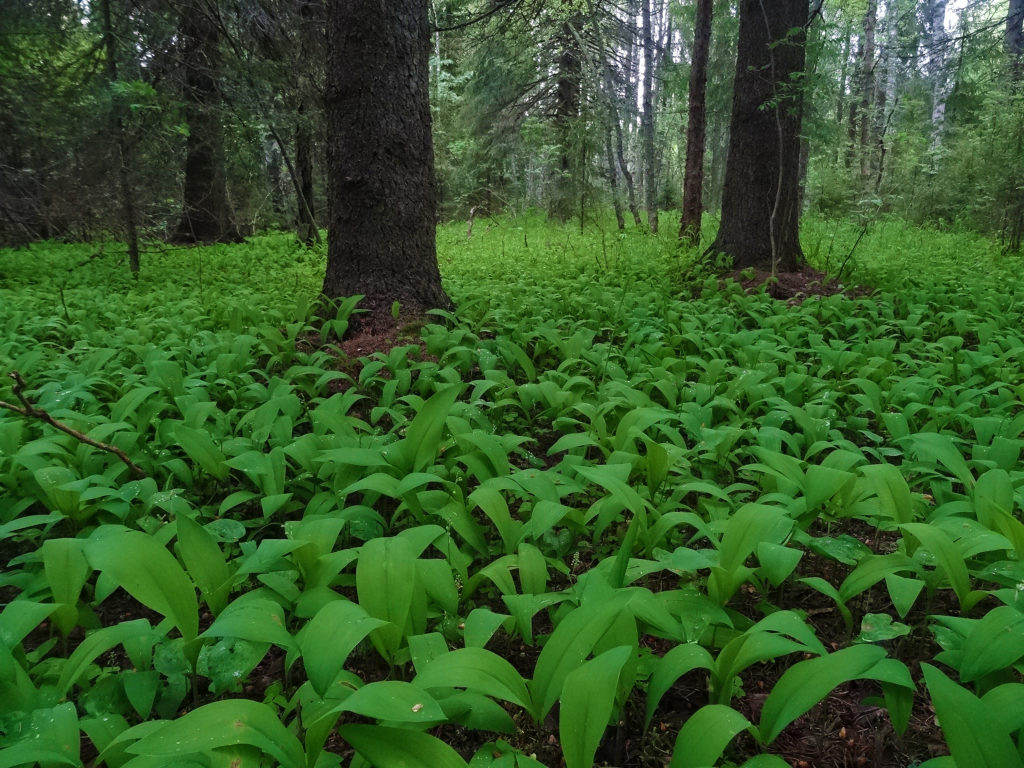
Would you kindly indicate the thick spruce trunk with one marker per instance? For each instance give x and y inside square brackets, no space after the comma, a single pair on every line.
[206,215]
[381,185]
[760,202]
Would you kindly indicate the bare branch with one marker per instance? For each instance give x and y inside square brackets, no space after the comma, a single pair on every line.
[31,411]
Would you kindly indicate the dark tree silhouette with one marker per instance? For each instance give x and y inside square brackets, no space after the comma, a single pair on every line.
[760,201]
[381,187]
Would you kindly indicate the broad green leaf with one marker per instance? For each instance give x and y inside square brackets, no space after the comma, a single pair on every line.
[892,491]
[808,682]
[53,481]
[765,761]
[750,525]
[386,747]
[995,642]
[34,752]
[204,561]
[66,571]
[95,645]
[1006,703]
[940,447]
[777,561]
[878,627]
[475,669]
[418,449]
[973,733]
[20,617]
[705,735]
[949,557]
[903,592]
[258,620]
[328,639]
[200,447]
[394,701]
[872,570]
[385,584]
[573,640]
[669,668]
[481,624]
[587,703]
[149,573]
[822,483]
[222,724]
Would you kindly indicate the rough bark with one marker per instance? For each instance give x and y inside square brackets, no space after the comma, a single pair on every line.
[647,121]
[123,150]
[381,184]
[867,88]
[206,214]
[887,79]
[306,229]
[760,212]
[620,151]
[613,179]
[936,68]
[1014,38]
[1014,43]
[567,110]
[696,125]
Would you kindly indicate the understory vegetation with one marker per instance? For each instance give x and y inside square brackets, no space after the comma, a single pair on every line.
[612,509]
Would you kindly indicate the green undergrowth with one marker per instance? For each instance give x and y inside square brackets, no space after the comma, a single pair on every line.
[607,478]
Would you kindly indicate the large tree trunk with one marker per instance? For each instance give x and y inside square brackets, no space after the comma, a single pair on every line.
[1014,38]
[381,188]
[647,122]
[567,111]
[760,212]
[1014,41]
[696,125]
[123,149]
[206,217]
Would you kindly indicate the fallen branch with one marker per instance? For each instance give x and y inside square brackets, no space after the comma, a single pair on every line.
[29,410]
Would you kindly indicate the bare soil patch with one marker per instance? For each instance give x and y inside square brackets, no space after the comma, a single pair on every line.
[794,287]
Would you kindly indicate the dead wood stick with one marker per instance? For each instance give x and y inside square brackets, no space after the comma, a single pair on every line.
[29,410]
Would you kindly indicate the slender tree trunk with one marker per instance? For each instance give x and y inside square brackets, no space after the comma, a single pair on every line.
[844,70]
[307,229]
[567,110]
[867,89]
[382,187]
[887,79]
[613,179]
[696,126]
[647,122]
[760,211]
[206,217]
[123,148]
[938,43]
[620,152]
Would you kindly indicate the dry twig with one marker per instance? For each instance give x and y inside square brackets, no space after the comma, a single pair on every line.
[29,410]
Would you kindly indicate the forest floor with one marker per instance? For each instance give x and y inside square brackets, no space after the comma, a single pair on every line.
[738,527]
